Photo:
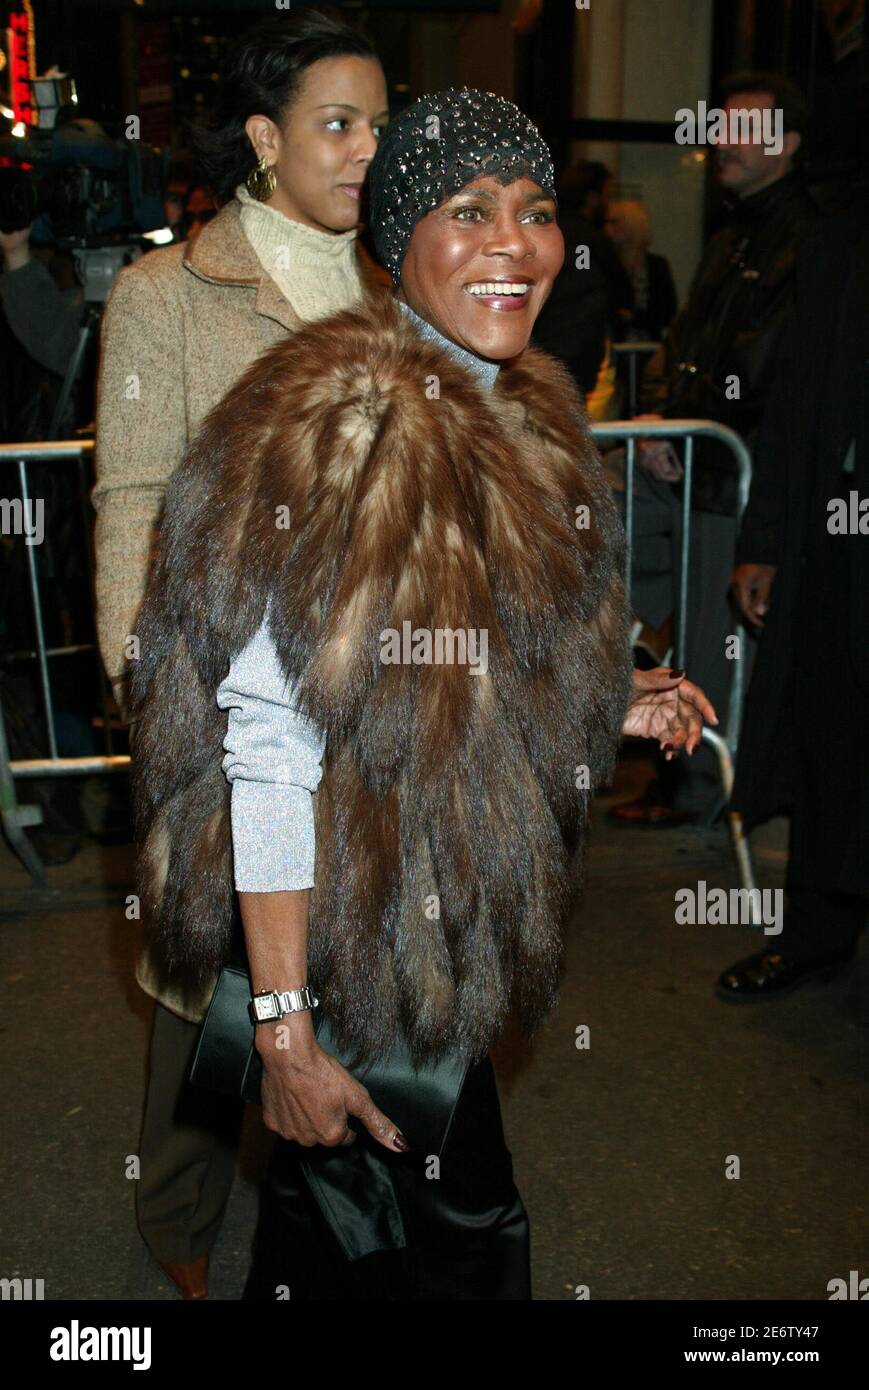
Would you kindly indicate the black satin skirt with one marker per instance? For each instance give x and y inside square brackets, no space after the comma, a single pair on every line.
[363,1223]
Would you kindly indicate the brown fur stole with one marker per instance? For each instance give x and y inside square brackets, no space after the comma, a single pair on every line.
[449,809]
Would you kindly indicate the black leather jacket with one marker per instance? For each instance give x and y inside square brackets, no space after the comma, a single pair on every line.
[731,326]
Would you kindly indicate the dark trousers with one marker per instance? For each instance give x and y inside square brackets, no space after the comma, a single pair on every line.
[188,1148]
[466,1230]
[820,918]
[828,866]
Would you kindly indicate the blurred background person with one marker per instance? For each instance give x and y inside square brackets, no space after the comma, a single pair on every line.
[591,301]
[41,304]
[583,201]
[593,185]
[629,227]
[804,584]
[200,208]
[716,363]
[176,189]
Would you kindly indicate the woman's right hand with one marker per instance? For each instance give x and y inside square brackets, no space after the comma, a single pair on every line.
[307,1094]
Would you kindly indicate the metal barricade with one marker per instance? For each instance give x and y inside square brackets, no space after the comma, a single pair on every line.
[724,746]
[631,352]
[15,818]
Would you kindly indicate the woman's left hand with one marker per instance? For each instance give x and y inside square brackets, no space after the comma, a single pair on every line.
[669,708]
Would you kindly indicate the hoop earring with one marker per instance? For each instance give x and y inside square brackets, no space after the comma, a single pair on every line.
[262,181]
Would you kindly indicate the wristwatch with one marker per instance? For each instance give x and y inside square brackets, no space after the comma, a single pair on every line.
[272,1005]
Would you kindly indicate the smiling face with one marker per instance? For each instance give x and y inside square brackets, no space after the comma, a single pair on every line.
[480,267]
[321,151]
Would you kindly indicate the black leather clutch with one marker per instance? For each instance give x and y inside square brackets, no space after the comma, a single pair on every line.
[420,1101]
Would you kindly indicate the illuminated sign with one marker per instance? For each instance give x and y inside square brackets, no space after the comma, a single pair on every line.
[22,63]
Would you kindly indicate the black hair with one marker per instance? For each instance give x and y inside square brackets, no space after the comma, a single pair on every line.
[786,96]
[578,180]
[262,75]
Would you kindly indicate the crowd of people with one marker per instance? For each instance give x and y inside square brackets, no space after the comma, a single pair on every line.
[269,318]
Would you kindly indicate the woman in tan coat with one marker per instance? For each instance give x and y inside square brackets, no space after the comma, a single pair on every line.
[300,110]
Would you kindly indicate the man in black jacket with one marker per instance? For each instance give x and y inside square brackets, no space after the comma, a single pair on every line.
[716,363]
[803,577]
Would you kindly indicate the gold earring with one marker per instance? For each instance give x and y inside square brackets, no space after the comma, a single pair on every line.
[262,181]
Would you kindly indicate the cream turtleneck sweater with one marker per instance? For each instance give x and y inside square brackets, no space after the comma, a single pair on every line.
[316,271]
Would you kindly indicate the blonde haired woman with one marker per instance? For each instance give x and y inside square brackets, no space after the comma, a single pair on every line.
[628,224]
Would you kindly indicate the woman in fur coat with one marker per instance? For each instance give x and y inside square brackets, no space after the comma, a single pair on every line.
[387,620]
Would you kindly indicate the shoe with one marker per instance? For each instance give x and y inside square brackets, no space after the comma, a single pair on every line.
[769,974]
[648,814]
[191,1279]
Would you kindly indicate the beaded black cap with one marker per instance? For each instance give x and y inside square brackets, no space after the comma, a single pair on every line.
[437,146]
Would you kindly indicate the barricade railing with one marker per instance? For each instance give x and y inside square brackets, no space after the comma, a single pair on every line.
[15,817]
[724,745]
[631,352]
[15,459]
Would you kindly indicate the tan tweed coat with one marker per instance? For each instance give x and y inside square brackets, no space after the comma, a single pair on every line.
[180,327]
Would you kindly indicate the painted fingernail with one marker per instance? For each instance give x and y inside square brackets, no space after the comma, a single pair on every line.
[674,675]
[400,1142]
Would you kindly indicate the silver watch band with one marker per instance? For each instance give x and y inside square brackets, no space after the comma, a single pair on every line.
[272,1005]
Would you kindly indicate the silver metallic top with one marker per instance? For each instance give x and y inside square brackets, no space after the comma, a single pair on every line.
[273,760]
[273,753]
[484,370]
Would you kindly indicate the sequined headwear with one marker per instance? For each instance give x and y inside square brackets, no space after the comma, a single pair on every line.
[437,146]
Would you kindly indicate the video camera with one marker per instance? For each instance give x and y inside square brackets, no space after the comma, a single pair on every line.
[85,189]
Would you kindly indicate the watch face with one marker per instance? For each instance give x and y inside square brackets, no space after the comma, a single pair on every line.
[265,1008]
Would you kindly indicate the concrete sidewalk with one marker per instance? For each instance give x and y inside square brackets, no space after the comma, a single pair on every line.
[620,1150]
